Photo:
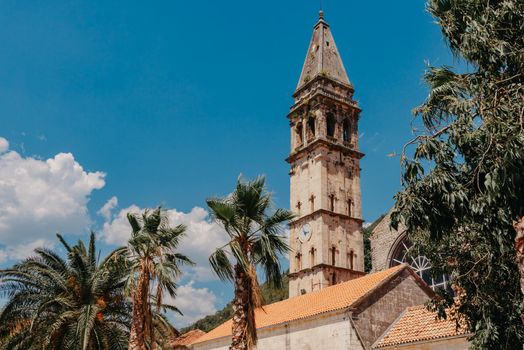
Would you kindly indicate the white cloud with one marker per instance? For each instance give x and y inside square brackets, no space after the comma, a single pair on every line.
[4,145]
[194,303]
[203,236]
[107,209]
[41,197]
[22,251]
[117,231]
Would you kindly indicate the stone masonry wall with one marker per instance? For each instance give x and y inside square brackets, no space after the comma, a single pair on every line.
[382,240]
[385,306]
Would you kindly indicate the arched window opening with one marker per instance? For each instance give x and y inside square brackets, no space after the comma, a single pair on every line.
[333,255]
[351,257]
[349,207]
[345,130]
[332,202]
[330,125]
[405,252]
[334,279]
[299,131]
[311,127]
[312,256]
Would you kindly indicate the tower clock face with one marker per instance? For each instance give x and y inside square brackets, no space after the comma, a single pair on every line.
[305,233]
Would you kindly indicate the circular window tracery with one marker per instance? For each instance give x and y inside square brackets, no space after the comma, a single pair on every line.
[405,252]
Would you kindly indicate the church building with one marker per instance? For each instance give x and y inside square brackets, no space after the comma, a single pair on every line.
[333,303]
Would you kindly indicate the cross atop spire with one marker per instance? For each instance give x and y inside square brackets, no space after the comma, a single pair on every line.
[323,57]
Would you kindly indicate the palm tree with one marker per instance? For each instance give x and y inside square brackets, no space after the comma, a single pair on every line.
[154,263]
[255,240]
[72,303]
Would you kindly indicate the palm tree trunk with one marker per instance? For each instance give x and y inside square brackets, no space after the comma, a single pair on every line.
[519,247]
[240,310]
[140,306]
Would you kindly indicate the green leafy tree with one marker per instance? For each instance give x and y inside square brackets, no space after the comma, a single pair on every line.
[72,303]
[255,240]
[464,180]
[154,263]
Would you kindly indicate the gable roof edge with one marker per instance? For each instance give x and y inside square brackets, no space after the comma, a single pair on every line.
[419,281]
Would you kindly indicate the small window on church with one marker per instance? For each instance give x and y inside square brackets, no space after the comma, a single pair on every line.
[330,125]
[299,131]
[299,262]
[311,127]
[334,279]
[333,255]
[312,256]
[345,131]
[332,202]
[351,257]
[349,207]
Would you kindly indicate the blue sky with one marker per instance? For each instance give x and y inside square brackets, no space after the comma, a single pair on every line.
[167,102]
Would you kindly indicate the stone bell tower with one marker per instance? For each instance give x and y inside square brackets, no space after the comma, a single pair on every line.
[326,236]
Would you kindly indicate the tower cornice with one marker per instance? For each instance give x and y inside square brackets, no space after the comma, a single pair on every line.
[323,78]
[324,267]
[307,217]
[320,141]
[321,93]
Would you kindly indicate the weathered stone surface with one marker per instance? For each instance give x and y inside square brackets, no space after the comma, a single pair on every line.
[383,242]
[323,57]
[380,310]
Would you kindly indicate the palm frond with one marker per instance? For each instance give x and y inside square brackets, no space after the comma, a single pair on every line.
[56,303]
[134,222]
[63,241]
[221,265]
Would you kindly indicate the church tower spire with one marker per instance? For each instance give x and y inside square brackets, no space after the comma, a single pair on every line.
[323,57]
[326,236]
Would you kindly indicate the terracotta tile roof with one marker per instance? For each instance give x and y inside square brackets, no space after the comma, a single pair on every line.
[332,298]
[188,338]
[418,324]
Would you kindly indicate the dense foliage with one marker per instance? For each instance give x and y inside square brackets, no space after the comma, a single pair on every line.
[72,303]
[464,182]
[81,303]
